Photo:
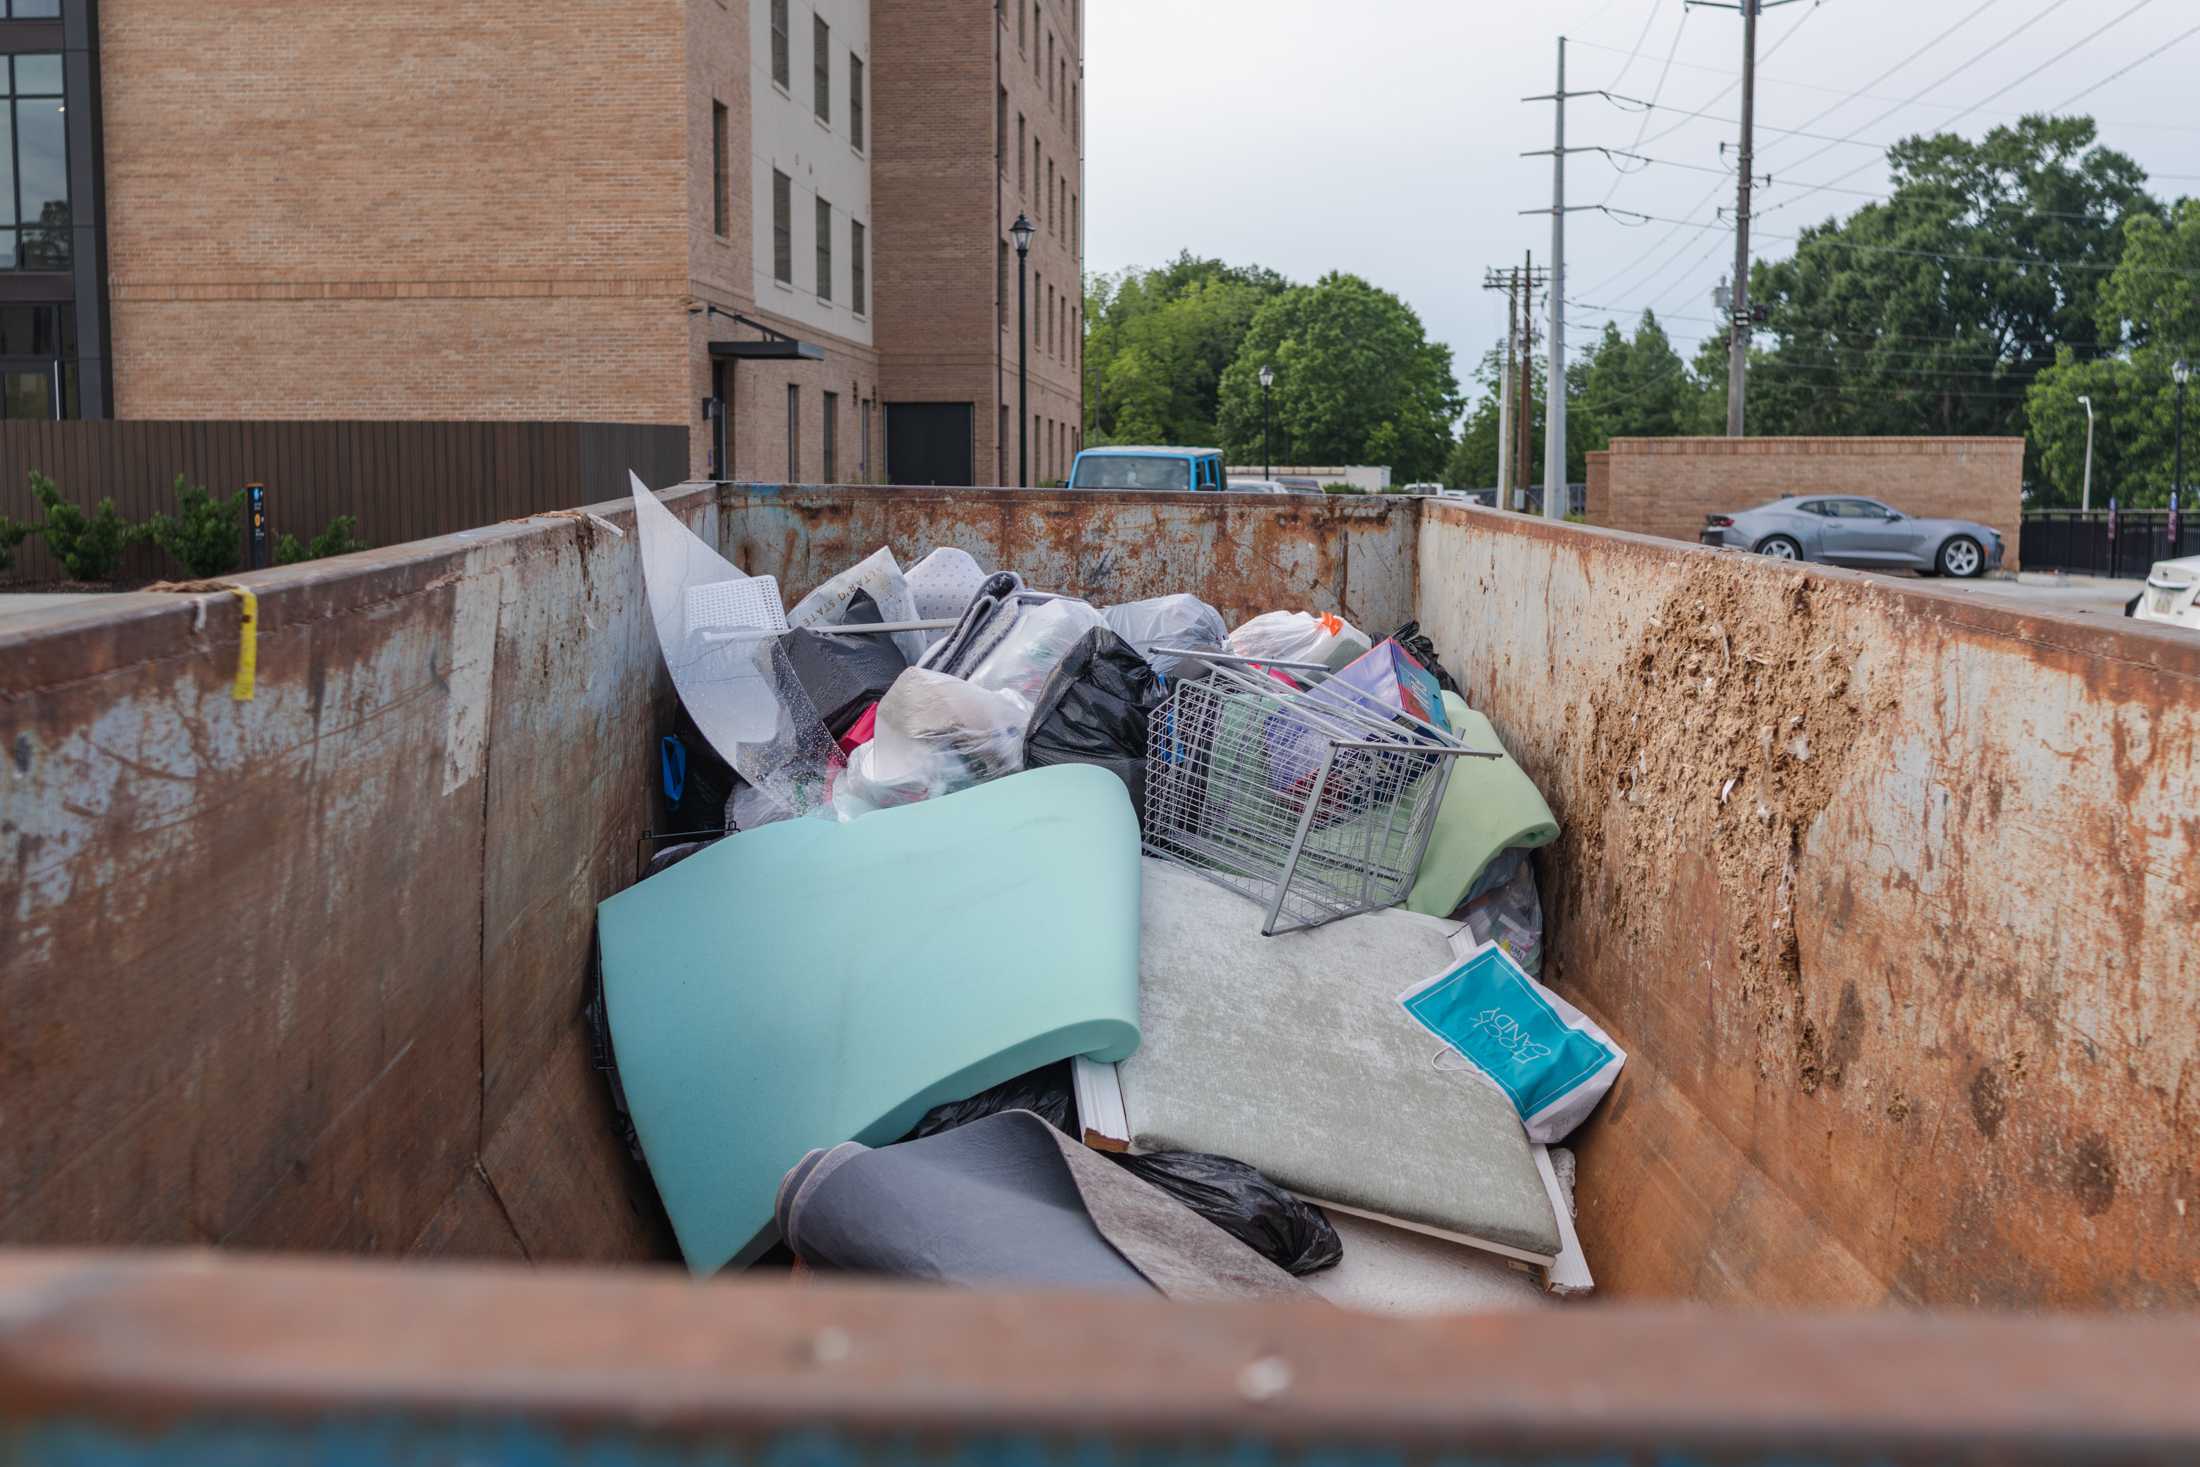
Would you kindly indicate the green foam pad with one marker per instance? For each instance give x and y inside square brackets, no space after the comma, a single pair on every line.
[808,983]
[1489,807]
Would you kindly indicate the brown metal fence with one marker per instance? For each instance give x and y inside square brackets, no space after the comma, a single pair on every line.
[400,481]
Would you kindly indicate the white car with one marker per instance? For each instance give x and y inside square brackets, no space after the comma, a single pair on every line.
[2172,594]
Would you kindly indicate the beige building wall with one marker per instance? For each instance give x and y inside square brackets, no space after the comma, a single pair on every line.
[1665,486]
[408,209]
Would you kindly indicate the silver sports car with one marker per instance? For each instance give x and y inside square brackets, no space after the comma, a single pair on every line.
[1842,530]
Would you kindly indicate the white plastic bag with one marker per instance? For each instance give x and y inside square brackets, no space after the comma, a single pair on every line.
[1300,636]
[877,574]
[1168,621]
[935,735]
[1043,634]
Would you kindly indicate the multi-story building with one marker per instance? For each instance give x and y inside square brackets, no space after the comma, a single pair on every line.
[782,223]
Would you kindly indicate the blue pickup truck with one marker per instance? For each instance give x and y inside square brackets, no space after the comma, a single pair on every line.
[1185,470]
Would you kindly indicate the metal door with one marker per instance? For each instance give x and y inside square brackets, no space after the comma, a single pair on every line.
[930,443]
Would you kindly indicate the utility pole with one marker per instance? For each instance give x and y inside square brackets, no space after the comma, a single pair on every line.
[1737,350]
[1554,391]
[1555,495]
[1524,416]
[1513,411]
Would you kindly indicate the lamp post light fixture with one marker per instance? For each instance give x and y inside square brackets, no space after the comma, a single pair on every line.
[2085,495]
[1022,231]
[2182,372]
[1267,452]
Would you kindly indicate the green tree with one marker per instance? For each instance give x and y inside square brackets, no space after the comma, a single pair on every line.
[205,535]
[1357,381]
[1628,387]
[2150,308]
[89,546]
[12,534]
[1157,343]
[1933,311]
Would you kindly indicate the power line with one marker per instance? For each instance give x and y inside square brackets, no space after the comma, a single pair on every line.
[2119,72]
[1649,19]
[1643,125]
[2085,40]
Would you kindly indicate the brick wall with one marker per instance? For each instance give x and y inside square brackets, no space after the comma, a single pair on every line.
[405,209]
[1665,486]
[1597,505]
[945,188]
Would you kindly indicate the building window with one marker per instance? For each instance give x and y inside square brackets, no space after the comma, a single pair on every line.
[863,439]
[1035,155]
[1023,42]
[824,250]
[1076,236]
[37,362]
[1000,131]
[855,100]
[782,228]
[1035,24]
[721,201]
[821,66]
[1050,71]
[794,434]
[36,235]
[1004,443]
[832,432]
[859,269]
[1061,96]
[1076,117]
[1050,185]
[1000,285]
[782,70]
[1023,184]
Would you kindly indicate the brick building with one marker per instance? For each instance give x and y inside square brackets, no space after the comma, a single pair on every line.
[1665,486]
[601,210]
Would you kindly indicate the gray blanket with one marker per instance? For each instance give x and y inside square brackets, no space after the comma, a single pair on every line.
[1009,1200]
[1292,1054]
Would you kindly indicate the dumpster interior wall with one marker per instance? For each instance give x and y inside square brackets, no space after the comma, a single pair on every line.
[306,972]
[1888,893]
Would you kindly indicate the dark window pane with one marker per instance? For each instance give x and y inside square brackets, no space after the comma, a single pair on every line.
[855,101]
[821,66]
[859,287]
[36,10]
[782,228]
[780,67]
[7,169]
[38,75]
[26,396]
[824,250]
[42,153]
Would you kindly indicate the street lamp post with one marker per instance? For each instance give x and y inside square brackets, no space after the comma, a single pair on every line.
[1267,451]
[2085,495]
[1022,231]
[2183,373]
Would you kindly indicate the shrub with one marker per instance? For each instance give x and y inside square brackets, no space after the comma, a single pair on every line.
[1339,489]
[89,547]
[12,534]
[337,539]
[205,535]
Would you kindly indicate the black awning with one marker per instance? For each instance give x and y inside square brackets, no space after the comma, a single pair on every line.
[783,350]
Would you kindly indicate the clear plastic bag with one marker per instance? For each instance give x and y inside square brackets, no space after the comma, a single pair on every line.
[1300,636]
[877,574]
[1168,621]
[717,630]
[935,735]
[1041,636]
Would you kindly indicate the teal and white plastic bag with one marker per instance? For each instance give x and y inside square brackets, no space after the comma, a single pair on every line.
[1552,1061]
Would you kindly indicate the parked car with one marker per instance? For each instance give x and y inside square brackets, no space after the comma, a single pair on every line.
[1257,486]
[1299,484]
[1844,530]
[1186,470]
[2172,595]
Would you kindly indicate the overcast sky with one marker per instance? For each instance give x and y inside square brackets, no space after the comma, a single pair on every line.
[1382,136]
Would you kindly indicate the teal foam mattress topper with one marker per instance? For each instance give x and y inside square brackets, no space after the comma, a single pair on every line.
[809,983]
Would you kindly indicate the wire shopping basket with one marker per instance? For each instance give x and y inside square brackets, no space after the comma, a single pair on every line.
[1315,802]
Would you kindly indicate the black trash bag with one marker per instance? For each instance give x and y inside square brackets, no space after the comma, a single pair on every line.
[697,783]
[845,675]
[1423,651]
[1295,1236]
[1093,710]
[1044,1092]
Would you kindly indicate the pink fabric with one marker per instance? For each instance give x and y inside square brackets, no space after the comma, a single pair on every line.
[861,732]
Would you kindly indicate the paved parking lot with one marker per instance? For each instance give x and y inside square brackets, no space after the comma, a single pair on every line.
[2047,591]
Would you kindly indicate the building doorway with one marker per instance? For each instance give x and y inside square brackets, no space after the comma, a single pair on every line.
[931,443]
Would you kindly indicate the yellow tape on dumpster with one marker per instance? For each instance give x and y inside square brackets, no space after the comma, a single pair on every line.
[248,646]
